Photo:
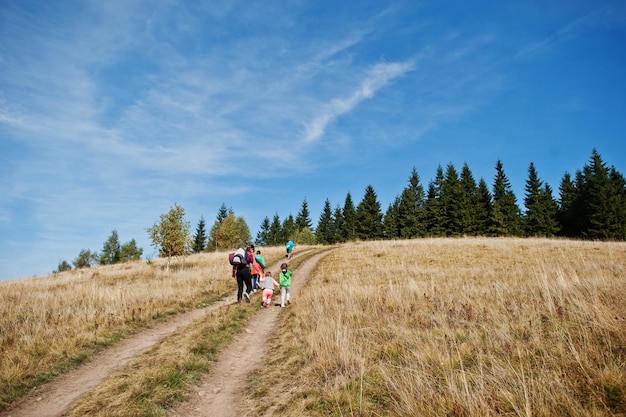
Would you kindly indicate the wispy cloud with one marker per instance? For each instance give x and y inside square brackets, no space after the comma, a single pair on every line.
[377,77]
[600,16]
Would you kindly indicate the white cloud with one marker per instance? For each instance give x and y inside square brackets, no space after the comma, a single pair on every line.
[377,77]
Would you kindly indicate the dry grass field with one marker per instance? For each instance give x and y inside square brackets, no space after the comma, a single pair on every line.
[429,327]
[50,324]
[444,327]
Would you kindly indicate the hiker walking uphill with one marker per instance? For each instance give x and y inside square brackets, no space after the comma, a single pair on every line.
[284,280]
[289,247]
[257,269]
[268,284]
[241,272]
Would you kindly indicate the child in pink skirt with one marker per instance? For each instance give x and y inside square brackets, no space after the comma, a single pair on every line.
[268,284]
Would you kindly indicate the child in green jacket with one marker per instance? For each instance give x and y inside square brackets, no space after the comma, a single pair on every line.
[285,283]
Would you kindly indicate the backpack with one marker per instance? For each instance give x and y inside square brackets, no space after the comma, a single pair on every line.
[239,257]
[259,259]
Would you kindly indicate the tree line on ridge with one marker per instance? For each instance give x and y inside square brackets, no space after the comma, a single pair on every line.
[591,205]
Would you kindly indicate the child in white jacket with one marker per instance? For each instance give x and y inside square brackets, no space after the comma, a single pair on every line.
[268,283]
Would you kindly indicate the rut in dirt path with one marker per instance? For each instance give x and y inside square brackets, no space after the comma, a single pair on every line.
[55,398]
[222,391]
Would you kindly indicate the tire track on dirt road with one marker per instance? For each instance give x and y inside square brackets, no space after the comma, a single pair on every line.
[222,391]
[57,396]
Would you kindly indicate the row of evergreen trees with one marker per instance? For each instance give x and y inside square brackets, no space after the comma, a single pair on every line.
[229,231]
[590,206]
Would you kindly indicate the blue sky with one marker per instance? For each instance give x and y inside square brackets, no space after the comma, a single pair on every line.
[113,111]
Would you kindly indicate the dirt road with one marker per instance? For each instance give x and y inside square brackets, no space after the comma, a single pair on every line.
[220,393]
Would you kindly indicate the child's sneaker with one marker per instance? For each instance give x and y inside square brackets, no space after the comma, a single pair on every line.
[245,294]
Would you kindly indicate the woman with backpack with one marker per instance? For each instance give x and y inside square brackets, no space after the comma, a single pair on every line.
[242,273]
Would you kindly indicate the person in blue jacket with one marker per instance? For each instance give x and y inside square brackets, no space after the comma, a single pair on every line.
[289,246]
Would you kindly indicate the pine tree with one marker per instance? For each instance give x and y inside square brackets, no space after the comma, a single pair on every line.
[200,238]
[111,250]
[603,197]
[338,224]
[571,214]
[579,210]
[263,235]
[617,202]
[532,218]
[222,213]
[303,219]
[469,202]
[369,219]
[568,196]
[433,208]
[540,218]
[288,229]
[391,219]
[275,234]
[595,195]
[325,232]
[349,232]
[484,209]
[594,205]
[551,209]
[410,209]
[506,213]
[451,200]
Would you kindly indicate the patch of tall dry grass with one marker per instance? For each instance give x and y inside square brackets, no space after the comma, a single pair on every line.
[50,323]
[458,327]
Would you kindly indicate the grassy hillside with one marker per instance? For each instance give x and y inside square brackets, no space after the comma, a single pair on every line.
[424,327]
[455,327]
[52,323]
